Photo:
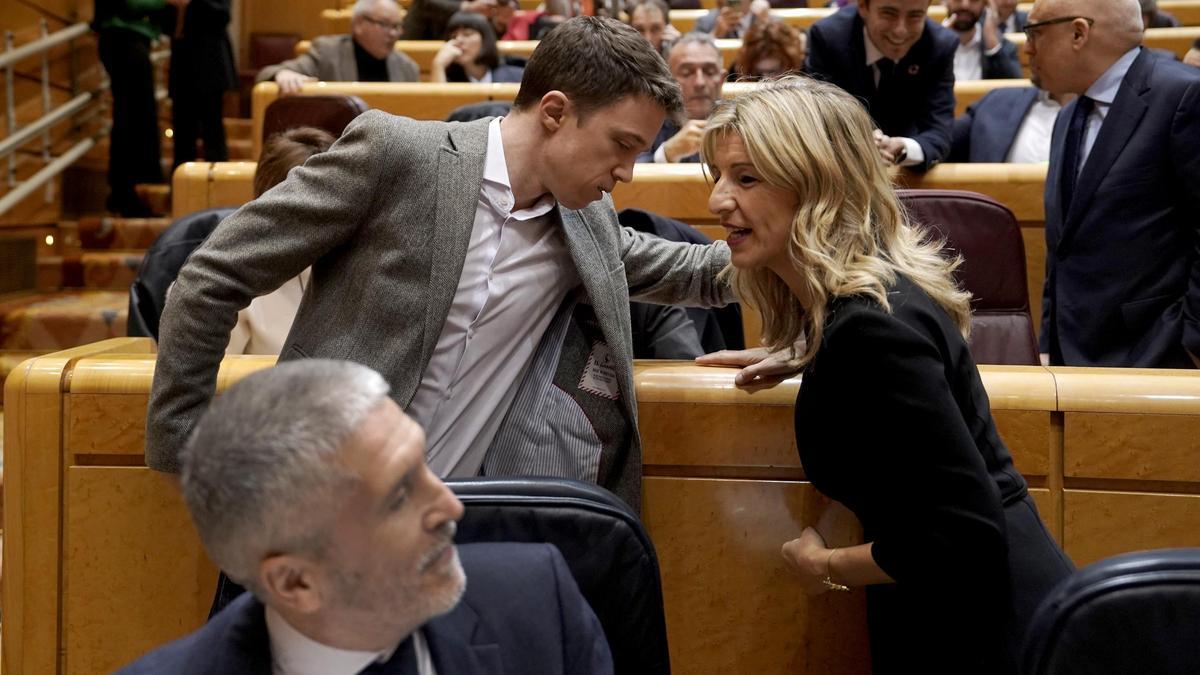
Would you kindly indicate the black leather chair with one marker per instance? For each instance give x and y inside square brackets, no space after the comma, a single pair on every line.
[602,540]
[986,234]
[1134,614]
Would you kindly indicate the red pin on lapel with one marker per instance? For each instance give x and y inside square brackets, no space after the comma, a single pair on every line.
[914,69]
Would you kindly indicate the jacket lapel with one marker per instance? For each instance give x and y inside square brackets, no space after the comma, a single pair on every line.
[459,177]
[1014,117]
[1120,123]
[590,262]
[460,644]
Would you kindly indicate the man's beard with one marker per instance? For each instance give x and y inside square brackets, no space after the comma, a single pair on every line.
[964,21]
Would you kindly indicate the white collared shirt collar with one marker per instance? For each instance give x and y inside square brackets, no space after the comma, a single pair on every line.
[294,653]
[497,187]
[1104,90]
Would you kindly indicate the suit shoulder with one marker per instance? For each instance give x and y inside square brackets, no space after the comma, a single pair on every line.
[241,621]
[945,42]
[836,27]
[329,41]
[1175,76]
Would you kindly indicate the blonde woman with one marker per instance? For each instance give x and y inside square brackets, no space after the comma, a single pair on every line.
[892,419]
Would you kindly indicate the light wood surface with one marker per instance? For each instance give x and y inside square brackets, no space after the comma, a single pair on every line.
[732,605]
[723,490]
[1099,524]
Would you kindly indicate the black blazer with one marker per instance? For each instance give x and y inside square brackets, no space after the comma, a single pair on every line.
[987,130]
[919,104]
[521,613]
[1004,64]
[893,421]
[1122,280]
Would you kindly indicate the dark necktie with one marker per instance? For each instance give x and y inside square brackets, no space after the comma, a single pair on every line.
[1073,150]
[403,662]
[887,68]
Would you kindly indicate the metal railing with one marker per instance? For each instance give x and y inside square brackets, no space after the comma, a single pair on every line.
[16,138]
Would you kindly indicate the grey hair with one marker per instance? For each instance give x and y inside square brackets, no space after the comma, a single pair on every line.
[363,6]
[258,474]
[698,38]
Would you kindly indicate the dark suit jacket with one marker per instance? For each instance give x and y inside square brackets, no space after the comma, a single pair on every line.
[986,132]
[1004,64]
[521,613]
[919,104]
[1122,280]
[1020,18]
[948,516]
[427,19]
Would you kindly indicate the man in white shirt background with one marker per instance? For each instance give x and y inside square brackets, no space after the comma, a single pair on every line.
[983,53]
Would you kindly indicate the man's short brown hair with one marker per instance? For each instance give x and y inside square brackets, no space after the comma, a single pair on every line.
[286,150]
[596,62]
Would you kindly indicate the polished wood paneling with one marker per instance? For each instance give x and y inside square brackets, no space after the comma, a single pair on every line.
[1027,435]
[1139,391]
[732,605]
[33,463]
[136,576]
[1099,524]
[189,188]
[1133,447]
[105,424]
[744,437]
[1033,234]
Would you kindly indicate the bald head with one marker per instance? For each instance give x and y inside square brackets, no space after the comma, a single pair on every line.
[1068,57]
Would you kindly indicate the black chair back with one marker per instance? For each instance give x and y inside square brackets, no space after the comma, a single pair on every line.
[603,542]
[331,113]
[1137,613]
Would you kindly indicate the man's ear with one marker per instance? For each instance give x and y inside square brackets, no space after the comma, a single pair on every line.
[554,109]
[292,582]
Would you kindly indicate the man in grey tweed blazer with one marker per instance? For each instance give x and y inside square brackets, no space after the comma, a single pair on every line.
[389,220]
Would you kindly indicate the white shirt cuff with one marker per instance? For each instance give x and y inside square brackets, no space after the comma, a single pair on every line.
[914,154]
[995,50]
[660,155]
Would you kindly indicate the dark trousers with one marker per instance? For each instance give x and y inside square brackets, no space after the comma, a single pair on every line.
[196,115]
[134,151]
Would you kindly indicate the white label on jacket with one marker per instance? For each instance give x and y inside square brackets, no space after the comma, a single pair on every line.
[600,373]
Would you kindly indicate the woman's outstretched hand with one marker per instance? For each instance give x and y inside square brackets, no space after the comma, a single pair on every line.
[808,559]
[759,366]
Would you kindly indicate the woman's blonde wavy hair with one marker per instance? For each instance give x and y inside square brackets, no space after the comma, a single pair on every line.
[850,235]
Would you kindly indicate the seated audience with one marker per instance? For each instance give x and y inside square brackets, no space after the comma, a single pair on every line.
[1009,124]
[368,54]
[695,62]
[890,55]
[770,48]
[730,20]
[263,326]
[1012,20]
[1192,58]
[556,12]
[426,19]
[470,54]
[652,18]
[1153,18]
[983,53]
[309,487]
[1122,288]
[822,248]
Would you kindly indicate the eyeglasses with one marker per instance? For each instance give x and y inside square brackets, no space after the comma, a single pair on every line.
[1032,28]
[386,25]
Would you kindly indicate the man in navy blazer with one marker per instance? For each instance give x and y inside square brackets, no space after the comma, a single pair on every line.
[1122,191]
[1009,124]
[889,54]
[309,486]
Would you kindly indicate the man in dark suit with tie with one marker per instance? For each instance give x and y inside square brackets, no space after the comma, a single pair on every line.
[309,486]
[900,63]
[1009,124]
[1122,191]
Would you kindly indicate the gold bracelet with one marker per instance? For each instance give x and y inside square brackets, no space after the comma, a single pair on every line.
[828,580]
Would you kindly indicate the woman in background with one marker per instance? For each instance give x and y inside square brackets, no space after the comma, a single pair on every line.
[770,49]
[892,419]
[470,54]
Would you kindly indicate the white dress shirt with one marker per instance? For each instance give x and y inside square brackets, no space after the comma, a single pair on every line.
[913,153]
[1103,91]
[263,326]
[516,274]
[1032,144]
[294,653]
